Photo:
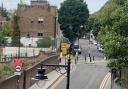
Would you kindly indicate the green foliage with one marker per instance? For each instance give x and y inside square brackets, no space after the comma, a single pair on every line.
[45,42]
[16,31]
[110,26]
[7,70]
[5,30]
[72,15]
[3,40]
[4,13]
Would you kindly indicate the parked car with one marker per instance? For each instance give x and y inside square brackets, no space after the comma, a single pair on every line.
[100,49]
[77,48]
[94,42]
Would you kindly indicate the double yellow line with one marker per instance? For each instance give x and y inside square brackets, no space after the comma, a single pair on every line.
[103,83]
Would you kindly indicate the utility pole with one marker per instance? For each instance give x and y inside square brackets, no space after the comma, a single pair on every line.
[54,45]
[68,73]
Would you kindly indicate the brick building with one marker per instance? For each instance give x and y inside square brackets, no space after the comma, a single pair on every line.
[37,19]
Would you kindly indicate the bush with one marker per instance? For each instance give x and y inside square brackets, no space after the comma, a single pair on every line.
[7,70]
[45,42]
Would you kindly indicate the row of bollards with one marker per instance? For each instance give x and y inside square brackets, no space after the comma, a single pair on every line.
[87,59]
[91,58]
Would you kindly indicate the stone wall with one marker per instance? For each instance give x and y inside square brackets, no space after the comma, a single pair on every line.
[11,83]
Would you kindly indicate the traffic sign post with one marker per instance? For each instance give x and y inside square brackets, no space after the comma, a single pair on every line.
[18,63]
[18,70]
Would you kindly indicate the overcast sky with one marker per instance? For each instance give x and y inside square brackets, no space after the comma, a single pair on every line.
[93,5]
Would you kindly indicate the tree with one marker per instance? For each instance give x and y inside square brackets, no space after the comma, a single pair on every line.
[16,31]
[5,30]
[45,42]
[3,40]
[4,13]
[113,33]
[73,17]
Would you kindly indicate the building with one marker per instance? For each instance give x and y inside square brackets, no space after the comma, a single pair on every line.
[37,19]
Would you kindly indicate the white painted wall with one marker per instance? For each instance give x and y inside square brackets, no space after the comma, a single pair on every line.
[26,41]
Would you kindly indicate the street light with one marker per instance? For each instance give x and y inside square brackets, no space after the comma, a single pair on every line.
[41,72]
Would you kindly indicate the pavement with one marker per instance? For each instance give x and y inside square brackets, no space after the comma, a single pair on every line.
[52,77]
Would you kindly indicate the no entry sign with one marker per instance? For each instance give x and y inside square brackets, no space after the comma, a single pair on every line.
[18,68]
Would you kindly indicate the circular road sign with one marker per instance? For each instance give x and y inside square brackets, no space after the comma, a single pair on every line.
[18,68]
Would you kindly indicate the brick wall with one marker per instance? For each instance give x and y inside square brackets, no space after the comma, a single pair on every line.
[29,16]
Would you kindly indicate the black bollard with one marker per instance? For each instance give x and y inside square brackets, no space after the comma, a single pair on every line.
[75,60]
[90,59]
[60,59]
[93,58]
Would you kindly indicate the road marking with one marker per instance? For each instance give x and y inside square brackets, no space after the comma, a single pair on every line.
[102,85]
[59,79]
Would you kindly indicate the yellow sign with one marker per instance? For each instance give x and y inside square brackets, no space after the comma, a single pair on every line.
[64,47]
[64,51]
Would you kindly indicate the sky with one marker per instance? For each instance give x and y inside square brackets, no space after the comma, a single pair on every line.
[93,5]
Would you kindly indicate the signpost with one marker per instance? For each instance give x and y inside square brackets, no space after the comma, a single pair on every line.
[18,63]
[18,70]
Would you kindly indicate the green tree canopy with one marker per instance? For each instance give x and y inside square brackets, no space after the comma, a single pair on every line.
[5,30]
[3,40]
[4,13]
[110,26]
[16,31]
[73,17]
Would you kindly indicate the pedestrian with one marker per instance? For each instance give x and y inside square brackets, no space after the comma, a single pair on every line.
[90,57]
[61,55]
[85,58]
[77,55]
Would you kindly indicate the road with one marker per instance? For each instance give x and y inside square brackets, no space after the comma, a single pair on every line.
[87,75]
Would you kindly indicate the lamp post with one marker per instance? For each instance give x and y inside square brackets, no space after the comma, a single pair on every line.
[42,76]
[54,47]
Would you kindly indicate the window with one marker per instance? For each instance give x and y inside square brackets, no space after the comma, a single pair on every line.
[32,21]
[28,35]
[40,34]
[40,20]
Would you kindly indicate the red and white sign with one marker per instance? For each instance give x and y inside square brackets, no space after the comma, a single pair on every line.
[17,61]
[18,68]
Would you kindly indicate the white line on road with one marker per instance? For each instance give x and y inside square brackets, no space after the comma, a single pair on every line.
[102,85]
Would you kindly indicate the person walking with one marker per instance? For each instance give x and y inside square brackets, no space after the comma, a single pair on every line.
[85,58]
[77,55]
[61,55]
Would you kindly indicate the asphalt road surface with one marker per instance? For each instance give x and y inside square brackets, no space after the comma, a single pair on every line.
[87,75]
